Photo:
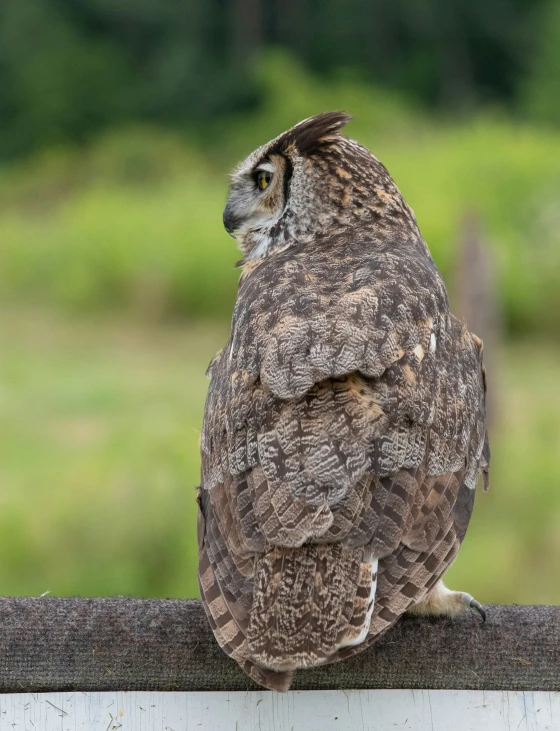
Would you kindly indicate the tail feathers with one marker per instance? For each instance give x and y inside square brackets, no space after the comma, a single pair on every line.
[271,679]
[307,602]
[364,603]
[230,629]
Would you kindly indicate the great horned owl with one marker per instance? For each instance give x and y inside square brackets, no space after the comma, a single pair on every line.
[344,427]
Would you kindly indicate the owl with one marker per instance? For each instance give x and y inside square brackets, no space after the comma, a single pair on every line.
[344,427]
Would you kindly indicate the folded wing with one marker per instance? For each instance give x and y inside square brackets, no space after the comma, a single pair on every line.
[343,435]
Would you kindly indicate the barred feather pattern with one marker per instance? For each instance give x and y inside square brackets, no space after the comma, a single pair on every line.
[343,436]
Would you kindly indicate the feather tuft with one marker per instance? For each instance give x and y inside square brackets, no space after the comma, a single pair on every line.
[309,135]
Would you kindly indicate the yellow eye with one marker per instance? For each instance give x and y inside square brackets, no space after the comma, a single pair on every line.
[263,179]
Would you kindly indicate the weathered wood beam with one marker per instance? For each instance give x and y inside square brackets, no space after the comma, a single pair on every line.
[118,644]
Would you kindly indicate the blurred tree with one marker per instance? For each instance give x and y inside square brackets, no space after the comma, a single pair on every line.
[291,25]
[542,89]
[56,84]
[476,298]
[70,67]
[246,29]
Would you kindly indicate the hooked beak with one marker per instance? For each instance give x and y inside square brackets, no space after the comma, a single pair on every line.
[231,222]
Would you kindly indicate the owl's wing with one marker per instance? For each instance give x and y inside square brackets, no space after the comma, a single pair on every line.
[337,365]
[342,421]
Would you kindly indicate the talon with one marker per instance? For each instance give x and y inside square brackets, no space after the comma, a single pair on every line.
[473,604]
[443,601]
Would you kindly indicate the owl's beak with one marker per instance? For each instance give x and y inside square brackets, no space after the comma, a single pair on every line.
[231,222]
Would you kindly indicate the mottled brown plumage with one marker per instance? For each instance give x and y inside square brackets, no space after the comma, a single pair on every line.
[344,427]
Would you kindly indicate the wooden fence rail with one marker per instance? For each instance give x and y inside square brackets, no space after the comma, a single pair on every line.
[139,665]
[51,644]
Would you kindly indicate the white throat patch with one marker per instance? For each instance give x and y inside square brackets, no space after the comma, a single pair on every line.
[260,248]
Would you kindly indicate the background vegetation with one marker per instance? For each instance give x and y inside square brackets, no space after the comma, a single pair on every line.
[120,122]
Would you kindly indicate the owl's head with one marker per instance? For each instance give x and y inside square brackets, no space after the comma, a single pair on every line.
[308,183]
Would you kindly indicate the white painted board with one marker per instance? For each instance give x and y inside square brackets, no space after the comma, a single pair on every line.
[353,710]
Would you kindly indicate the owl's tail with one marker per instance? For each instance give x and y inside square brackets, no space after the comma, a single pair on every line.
[308,603]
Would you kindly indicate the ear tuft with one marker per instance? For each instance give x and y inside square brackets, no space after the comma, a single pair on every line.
[308,136]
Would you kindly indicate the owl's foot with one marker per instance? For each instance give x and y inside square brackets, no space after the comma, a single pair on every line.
[443,601]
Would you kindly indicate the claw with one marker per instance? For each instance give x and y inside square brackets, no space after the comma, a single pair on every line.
[443,601]
[473,604]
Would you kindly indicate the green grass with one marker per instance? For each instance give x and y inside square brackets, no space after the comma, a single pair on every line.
[512,550]
[99,431]
[99,426]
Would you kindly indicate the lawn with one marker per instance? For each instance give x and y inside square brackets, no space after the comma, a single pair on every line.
[99,427]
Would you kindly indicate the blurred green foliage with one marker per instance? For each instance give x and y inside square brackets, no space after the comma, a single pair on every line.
[120,120]
[99,429]
[133,221]
[541,90]
[70,68]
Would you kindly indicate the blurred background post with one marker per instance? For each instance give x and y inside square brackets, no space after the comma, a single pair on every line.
[120,120]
